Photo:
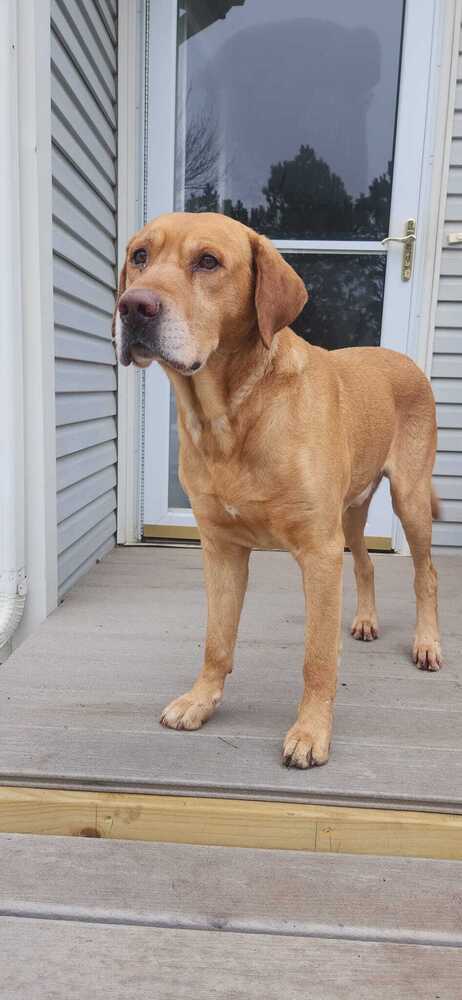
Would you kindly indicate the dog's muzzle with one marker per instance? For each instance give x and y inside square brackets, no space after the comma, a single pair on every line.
[139,311]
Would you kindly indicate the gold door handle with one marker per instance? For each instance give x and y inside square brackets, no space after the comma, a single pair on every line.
[408,241]
[398,239]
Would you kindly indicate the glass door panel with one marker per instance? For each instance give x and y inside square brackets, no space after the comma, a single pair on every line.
[286,114]
[345,302]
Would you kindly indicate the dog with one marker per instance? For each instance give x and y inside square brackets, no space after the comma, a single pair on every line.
[282,445]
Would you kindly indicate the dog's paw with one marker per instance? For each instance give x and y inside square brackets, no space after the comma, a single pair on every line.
[303,749]
[365,628]
[427,654]
[189,712]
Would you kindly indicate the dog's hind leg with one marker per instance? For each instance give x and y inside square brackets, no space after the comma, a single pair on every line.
[414,502]
[365,625]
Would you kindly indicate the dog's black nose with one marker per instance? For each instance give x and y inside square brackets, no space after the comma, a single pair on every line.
[139,303]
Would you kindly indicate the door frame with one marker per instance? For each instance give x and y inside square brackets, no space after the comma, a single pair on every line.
[431,108]
[132,86]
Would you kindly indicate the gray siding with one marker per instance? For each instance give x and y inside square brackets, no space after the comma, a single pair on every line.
[84,65]
[447,351]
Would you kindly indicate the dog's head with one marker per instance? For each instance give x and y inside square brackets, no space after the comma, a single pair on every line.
[193,282]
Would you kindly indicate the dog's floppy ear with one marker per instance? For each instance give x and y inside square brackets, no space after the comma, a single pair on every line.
[279,292]
[120,290]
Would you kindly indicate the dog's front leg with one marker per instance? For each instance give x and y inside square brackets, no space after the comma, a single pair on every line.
[226,574]
[308,742]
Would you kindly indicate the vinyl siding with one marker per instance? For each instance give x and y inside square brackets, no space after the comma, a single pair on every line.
[447,350]
[84,147]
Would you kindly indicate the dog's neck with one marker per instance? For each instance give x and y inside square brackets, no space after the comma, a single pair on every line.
[209,402]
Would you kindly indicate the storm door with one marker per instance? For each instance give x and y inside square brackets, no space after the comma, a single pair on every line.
[305,120]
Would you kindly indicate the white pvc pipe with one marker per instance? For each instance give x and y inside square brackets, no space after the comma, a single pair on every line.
[12,558]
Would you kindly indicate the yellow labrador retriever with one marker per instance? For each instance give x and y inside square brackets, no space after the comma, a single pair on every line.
[281,444]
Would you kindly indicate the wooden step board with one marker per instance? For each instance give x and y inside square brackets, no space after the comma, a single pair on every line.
[404,900]
[53,960]
[131,921]
[205,763]
[231,823]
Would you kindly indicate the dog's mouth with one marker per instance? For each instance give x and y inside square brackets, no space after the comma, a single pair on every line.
[135,352]
[141,355]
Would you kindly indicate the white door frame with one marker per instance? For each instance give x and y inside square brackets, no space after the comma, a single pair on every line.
[131,87]
[430,26]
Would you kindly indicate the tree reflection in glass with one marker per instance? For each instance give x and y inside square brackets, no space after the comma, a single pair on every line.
[302,197]
[346,297]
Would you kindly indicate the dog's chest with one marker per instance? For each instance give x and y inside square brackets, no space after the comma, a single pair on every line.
[235,484]
[239,502]
[236,492]
[216,463]
[247,522]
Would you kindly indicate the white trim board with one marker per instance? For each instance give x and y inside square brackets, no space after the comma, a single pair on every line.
[129,218]
[34,120]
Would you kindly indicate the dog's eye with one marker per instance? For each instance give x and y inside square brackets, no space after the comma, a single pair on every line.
[139,257]
[207,262]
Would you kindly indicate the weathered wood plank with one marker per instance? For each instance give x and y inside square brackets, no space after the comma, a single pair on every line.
[50,959]
[341,896]
[240,766]
[124,710]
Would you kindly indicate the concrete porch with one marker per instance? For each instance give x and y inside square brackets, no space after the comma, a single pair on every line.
[80,703]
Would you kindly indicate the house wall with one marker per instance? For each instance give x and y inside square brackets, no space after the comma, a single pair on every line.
[84,150]
[447,351]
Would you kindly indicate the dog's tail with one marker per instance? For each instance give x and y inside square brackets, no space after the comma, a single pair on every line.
[436,506]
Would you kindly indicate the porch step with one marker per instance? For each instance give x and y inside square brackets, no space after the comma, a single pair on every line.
[80,700]
[401,900]
[140,920]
